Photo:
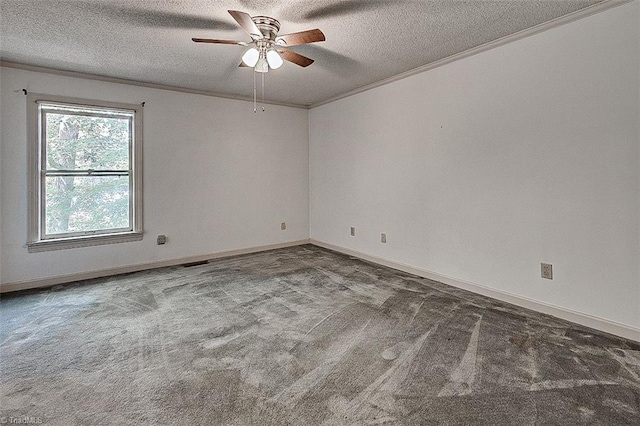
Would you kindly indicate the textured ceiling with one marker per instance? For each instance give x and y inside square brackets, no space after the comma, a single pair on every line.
[150,41]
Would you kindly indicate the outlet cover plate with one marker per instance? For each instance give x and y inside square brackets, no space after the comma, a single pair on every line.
[546,271]
[383,238]
[353,231]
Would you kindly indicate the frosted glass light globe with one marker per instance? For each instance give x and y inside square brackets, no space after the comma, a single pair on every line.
[274,59]
[250,57]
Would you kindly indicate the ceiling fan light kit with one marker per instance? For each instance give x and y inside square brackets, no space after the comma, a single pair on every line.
[262,58]
[268,50]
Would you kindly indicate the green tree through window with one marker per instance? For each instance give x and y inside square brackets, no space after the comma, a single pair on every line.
[98,147]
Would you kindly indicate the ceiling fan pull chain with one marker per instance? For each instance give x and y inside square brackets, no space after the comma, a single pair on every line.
[255,106]
[262,92]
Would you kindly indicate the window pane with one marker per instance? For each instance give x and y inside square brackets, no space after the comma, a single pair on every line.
[86,203]
[81,142]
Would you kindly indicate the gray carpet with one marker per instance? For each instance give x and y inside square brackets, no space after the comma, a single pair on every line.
[302,336]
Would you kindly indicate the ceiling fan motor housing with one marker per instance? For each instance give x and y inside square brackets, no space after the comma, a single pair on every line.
[268,26]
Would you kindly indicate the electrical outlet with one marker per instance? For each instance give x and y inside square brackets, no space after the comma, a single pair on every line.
[383,237]
[283,226]
[162,239]
[546,271]
[353,231]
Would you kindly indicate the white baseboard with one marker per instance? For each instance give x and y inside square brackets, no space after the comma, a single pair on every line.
[581,318]
[63,279]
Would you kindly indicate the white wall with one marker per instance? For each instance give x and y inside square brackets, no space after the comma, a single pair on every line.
[484,168]
[217,177]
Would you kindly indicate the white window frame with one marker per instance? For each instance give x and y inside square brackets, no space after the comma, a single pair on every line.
[37,240]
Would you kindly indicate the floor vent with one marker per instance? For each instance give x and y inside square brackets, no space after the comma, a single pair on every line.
[188,265]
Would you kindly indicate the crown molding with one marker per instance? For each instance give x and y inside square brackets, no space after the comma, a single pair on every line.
[98,77]
[571,17]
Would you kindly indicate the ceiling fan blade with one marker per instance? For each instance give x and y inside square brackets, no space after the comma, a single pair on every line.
[294,57]
[303,37]
[213,40]
[244,20]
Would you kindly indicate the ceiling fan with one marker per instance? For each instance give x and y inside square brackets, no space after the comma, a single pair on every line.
[267,48]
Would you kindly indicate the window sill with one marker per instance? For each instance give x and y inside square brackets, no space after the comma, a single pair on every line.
[76,242]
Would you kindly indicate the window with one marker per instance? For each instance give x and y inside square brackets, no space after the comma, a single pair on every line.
[86,172]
